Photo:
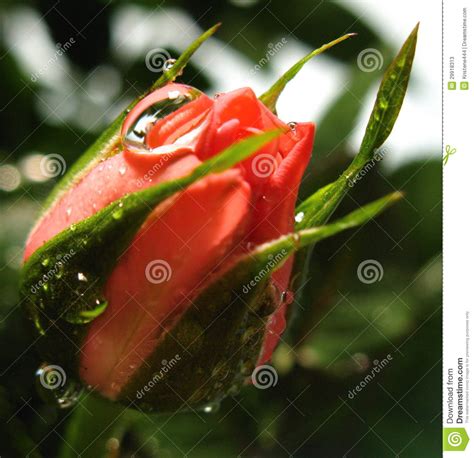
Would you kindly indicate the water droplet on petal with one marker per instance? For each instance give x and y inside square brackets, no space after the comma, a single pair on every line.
[250,246]
[122,170]
[292,125]
[134,138]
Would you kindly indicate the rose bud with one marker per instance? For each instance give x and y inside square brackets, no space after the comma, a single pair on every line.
[159,273]
[187,239]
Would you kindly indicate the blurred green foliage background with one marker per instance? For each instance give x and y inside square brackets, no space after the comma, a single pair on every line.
[341,325]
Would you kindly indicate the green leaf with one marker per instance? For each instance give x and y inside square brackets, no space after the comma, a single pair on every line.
[77,262]
[270,98]
[319,207]
[109,143]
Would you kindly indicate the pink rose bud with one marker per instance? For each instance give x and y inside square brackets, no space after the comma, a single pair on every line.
[129,351]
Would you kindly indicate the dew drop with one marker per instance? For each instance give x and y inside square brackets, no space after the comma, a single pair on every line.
[174,95]
[117,214]
[68,211]
[286,297]
[292,125]
[54,387]
[169,64]
[299,217]
[69,397]
[122,170]
[212,407]
[81,277]
[250,246]
[45,262]
[143,122]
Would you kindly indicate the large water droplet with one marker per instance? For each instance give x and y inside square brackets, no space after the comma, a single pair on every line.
[143,122]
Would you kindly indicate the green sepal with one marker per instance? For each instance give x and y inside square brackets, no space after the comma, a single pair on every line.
[319,207]
[270,98]
[77,262]
[109,143]
[215,345]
